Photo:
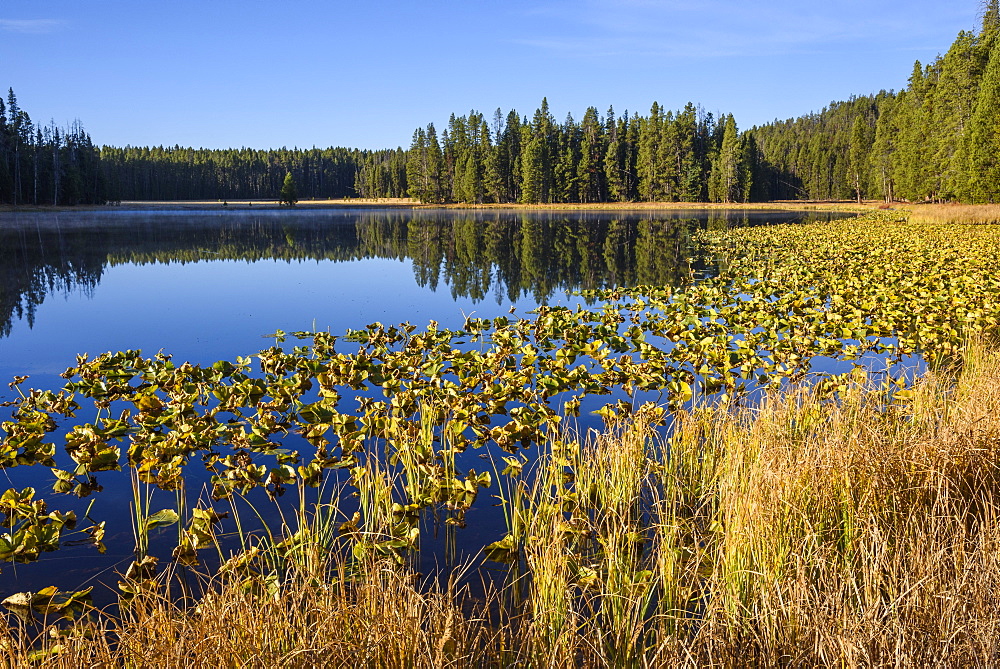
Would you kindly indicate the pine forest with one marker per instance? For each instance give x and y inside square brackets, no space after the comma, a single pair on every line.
[937,140]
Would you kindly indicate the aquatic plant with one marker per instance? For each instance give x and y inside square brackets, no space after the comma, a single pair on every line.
[392,406]
[797,529]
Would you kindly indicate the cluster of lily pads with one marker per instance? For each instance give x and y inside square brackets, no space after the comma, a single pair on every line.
[412,398]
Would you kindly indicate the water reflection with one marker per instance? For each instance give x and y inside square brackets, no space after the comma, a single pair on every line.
[178,281]
[499,256]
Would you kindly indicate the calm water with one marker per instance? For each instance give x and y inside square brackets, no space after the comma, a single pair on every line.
[210,286]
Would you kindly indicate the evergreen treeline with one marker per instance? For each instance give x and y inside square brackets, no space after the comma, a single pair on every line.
[45,164]
[937,140]
[686,156]
[180,173]
[815,157]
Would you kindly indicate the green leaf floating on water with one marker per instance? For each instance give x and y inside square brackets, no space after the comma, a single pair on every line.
[161,518]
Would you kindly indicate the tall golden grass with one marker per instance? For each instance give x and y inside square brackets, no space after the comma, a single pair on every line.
[791,533]
[954,213]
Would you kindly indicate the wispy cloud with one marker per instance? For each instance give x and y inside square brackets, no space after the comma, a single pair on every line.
[710,28]
[30,26]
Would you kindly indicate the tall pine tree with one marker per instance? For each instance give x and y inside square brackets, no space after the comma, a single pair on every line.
[984,134]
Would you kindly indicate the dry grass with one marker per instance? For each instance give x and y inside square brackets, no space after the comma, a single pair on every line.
[782,205]
[382,620]
[954,213]
[918,213]
[792,533]
[857,535]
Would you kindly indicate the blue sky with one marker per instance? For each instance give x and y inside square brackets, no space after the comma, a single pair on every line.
[258,73]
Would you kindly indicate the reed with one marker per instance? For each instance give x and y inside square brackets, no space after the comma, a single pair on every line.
[861,532]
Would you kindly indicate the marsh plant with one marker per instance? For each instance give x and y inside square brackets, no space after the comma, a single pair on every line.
[794,530]
[755,508]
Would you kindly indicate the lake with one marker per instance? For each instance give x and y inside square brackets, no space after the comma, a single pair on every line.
[208,286]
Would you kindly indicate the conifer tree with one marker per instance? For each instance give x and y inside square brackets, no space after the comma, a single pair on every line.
[729,179]
[951,109]
[417,170]
[435,165]
[509,159]
[448,165]
[984,134]
[884,147]
[688,168]
[667,153]
[630,154]
[991,16]
[533,167]
[16,124]
[483,151]
[537,169]
[6,185]
[912,165]
[589,171]
[858,155]
[565,177]
[649,140]
[55,140]
[289,193]
[613,170]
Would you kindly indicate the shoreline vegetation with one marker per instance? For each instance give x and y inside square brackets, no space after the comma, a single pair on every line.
[918,213]
[793,531]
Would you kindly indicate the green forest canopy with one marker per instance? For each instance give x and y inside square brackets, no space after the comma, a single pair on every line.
[936,140]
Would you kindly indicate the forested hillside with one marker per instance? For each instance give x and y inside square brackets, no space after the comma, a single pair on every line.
[939,139]
[936,140]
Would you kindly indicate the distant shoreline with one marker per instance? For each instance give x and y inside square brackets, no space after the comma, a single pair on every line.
[782,205]
[215,205]
[915,213]
[406,203]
